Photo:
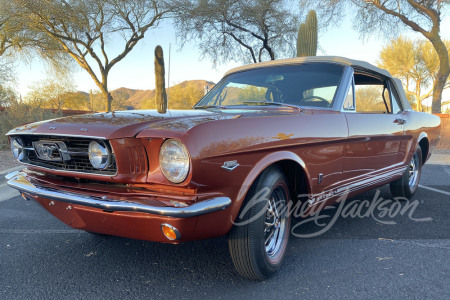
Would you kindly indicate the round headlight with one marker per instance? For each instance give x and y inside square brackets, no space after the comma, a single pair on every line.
[99,155]
[17,148]
[174,160]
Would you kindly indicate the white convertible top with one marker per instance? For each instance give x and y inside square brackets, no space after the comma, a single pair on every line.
[357,64]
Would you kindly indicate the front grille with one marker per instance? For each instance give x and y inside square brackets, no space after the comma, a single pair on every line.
[78,149]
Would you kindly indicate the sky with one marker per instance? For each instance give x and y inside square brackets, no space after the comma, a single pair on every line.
[136,71]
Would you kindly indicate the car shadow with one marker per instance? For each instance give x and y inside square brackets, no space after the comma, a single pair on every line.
[376,215]
[82,263]
[209,259]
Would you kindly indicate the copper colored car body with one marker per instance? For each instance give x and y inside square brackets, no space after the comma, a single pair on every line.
[322,151]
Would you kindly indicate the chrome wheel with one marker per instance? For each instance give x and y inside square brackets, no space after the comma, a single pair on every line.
[406,186]
[414,171]
[275,223]
[257,246]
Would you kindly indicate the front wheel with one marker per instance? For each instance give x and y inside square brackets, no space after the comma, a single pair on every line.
[259,237]
[406,186]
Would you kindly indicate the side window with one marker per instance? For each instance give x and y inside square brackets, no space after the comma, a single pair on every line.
[396,108]
[371,95]
[349,102]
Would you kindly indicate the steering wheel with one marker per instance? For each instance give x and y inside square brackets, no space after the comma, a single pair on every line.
[323,102]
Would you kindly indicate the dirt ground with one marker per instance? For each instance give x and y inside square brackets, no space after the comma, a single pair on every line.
[7,161]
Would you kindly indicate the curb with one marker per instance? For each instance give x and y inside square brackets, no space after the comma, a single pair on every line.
[439,159]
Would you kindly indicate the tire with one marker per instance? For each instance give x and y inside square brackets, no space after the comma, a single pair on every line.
[406,186]
[252,256]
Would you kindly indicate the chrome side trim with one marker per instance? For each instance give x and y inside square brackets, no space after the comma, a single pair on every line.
[366,180]
[20,182]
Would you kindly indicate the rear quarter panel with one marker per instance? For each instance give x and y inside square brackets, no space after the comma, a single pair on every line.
[421,125]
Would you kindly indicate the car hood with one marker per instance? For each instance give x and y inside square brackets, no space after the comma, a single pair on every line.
[122,124]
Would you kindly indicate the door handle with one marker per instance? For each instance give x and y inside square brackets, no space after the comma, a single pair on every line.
[400,121]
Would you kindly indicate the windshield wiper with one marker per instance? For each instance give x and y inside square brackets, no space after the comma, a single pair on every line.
[273,103]
[209,106]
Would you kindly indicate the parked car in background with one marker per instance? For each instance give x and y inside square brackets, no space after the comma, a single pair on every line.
[317,126]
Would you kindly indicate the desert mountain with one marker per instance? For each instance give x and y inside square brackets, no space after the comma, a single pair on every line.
[139,98]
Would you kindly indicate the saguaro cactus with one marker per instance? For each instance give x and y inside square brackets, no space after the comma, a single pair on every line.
[91,101]
[160,95]
[307,36]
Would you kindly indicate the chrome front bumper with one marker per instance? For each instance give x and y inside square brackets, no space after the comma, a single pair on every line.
[19,181]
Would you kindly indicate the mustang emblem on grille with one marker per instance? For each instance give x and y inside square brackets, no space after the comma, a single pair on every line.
[51,150]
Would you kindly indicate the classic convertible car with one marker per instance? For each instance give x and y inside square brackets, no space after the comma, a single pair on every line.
[266,133]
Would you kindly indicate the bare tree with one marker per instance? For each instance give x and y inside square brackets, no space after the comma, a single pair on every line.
[239,30]
[7,28]
[5,43]
[393,16]
[82,29]
[19,42]
[414,62]
[7,96]
[9,39]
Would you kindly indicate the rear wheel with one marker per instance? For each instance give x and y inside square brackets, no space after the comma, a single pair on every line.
[406,186]
[258,240]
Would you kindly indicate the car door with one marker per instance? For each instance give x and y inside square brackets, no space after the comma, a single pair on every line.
[377,143]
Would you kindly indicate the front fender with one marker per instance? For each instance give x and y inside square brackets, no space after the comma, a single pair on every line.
[259,167]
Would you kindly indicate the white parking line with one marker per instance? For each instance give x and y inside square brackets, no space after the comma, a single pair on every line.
[447,169]
[435,190]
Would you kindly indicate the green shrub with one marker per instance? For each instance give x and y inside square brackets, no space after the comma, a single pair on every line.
[18,114]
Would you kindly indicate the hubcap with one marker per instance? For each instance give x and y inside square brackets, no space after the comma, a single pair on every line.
[275,223]
[414,171]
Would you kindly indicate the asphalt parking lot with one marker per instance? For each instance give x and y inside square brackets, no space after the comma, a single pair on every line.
[358,258]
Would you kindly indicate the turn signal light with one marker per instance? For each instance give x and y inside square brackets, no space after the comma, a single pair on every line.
[170,232]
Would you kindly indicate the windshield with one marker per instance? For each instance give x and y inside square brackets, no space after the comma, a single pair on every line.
[311,85]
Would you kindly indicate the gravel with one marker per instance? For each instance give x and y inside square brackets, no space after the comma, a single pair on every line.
[7,161]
